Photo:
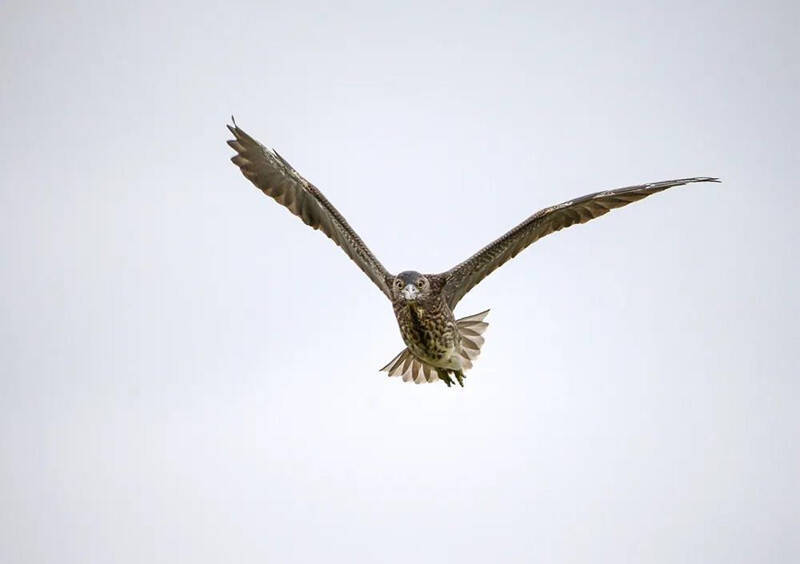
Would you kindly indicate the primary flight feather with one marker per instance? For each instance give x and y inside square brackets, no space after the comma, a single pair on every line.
[438,346]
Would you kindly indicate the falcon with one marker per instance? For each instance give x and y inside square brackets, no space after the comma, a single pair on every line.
[438,346]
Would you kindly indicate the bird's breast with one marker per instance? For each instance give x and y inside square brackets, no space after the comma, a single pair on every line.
[430,335]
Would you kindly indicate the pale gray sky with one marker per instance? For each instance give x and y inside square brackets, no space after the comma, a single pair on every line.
[189,374]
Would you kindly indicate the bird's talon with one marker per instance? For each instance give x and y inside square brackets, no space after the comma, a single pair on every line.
[445,377]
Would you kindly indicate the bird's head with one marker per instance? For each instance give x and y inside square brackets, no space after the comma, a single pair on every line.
[410,286]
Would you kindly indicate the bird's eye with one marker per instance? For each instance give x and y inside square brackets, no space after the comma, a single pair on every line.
[421,283]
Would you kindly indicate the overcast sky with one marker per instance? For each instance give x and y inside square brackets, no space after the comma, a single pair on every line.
[190,374]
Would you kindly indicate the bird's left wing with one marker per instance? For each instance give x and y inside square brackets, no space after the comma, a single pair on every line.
[463,277]
[277,179]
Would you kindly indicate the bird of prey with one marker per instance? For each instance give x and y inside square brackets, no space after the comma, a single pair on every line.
[438,346]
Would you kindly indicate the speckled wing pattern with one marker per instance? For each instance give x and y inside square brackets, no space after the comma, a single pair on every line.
[464,276]
[277,179]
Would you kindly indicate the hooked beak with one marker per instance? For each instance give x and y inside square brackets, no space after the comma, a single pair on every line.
[410,292]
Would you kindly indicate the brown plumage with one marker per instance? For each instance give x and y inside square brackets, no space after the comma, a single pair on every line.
[437,345]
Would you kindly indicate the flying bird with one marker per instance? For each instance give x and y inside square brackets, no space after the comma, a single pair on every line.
[438,346]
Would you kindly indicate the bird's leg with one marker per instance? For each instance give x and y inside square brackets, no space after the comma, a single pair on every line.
[459,376]
[444,376]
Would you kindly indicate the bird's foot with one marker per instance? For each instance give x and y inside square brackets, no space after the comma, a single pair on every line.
[445,377]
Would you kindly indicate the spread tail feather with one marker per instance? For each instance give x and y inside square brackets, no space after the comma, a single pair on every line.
[410,368]
[471,329]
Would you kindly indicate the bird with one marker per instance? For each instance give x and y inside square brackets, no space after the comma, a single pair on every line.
[438,346]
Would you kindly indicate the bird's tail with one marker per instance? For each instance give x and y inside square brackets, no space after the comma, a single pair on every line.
[412,369]
[471,329]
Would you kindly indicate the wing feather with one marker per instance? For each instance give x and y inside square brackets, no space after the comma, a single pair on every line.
[274,176]
[463,277]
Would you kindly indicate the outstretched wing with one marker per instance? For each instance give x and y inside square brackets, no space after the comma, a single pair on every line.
[463,277]
[277,179]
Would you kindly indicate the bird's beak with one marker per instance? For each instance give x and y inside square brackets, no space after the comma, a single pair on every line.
[410,292]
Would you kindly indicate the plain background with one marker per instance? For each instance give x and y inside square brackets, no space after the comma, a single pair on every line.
[189,374]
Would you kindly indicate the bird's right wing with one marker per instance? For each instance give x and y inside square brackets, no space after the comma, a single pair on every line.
[463,277]
[277,179]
